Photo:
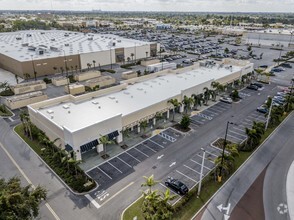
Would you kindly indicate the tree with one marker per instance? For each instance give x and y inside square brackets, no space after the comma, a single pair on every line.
[132,55]
[26,76]
[89,66]
[94,62]
[156,206]
[17,202]
[62,70]
[175,104]
[198,100]
[187,103]
[212,94]
[55,68]
[206,95]
[185,122]
[104,140]
[235,95]
[249,48]
[228,163]
[25,120]
[226,50]
[143,125]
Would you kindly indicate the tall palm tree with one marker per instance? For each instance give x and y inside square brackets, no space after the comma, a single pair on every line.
[104,140]
[62,70]
[197,100]
[187,103]
[132,55]
[212,94]
[175,104]
[94,62]
[143,125]
[26,76]
[149,182]
[89,66]
[55,68]
[228,162]
[206,95]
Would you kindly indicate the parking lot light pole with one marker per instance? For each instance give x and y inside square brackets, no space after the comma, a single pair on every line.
[201,173]
[223,153]
[269,115]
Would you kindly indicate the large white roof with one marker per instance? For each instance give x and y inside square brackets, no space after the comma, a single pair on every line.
[12,44]
[135,98]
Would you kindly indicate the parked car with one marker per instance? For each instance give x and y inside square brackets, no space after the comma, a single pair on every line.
[252,87]
[286,65]
[176,186]
[264,66]
[187,61]
[226,100]
[262,109]
[259,85]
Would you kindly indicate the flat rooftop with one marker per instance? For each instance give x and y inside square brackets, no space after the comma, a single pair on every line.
[17,45]
[135,98]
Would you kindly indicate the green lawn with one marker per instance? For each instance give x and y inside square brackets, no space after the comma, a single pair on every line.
[33,144]
[4,111]
[134,210]
[186,210]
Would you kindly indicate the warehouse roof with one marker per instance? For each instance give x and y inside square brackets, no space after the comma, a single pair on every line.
[24,44]
[137,97]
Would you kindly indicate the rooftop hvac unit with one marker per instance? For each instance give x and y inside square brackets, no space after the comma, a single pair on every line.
[66,35]
[29,35]
[49,111]
[90,38]
[66,45]
[25,44]
[42,32]
[65,106]
[53,48]
[53,39]
[18,38]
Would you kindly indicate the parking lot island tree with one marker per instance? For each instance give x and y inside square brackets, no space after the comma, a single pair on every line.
[155,204]
[20,202]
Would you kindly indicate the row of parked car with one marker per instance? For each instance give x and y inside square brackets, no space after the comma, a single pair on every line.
[278,100]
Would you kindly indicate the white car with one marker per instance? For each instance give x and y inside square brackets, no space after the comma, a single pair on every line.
[226,100]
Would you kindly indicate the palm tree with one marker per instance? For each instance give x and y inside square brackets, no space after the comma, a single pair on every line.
[55,68]
[215,85]
[143,125]
[62,70]
[206,95]
[175,104]
[212,94]
[132,55]
[104,140]
[187,103]
[146,54]
[94,62]
[76,68]
[26,76]
[149,182]
[25,120]
[128,59]
[228,162]
[197,100]
[89,66]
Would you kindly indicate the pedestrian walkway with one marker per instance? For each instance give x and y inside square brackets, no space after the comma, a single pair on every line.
[290,191]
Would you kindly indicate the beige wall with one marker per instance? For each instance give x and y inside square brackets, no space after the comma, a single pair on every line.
[87,75]
[28,87]
[15,104]
[11,65]
[60,81]
[101,57]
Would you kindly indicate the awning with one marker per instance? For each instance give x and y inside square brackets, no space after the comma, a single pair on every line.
[89,146]
[68,148]
[113,135]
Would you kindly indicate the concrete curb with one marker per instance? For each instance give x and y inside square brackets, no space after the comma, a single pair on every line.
[290,191]
[58,177]
[243,164]
[122,214]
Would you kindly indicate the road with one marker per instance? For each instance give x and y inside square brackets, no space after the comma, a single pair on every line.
[274,153]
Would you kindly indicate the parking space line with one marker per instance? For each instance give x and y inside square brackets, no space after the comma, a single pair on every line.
[211,153]
[244,122]
[149,148]
[206,159]
[238,133]
[133,157]
[200,122]
[141,152]
[235,137]
[238,129]
[104,173]
[211,112]
[156,143]
[124,162]
[194,124]
[186,176]
[220,150]
[115,167]
[247,120]
[218,107]
[200,164]
[191,169]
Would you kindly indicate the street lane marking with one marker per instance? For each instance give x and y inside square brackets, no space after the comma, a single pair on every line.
[186,176]
[93,201]
[192,169]
[124,162]
[133,157]
[206,159]
[140,151]
[200,164]
[116,194]
[156,143]
[104,173]
[115,167]
[28,180]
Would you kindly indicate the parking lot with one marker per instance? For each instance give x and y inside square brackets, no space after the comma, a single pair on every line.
[189,172]
[116,168]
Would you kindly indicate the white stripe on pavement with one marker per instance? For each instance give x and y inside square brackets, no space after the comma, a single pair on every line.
[133,157]
[200,164]
[149,148]
[140,152]
[186,176]
[156,143]
[124,162]
[238,133]
[235,137]
[115,167]
[104,173]
[93,201]
[191,169]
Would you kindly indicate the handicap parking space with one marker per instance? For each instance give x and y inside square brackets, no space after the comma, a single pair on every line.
[173,133]
[160,140]
[153,145]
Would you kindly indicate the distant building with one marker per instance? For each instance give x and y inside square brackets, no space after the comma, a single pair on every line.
[51,52]
[163,26]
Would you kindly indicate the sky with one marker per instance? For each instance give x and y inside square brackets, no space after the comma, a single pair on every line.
[153,5]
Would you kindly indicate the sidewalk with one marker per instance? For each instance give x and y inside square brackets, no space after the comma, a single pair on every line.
[290,191]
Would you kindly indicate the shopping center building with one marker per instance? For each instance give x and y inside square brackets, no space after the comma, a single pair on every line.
[51,52]
[79,121]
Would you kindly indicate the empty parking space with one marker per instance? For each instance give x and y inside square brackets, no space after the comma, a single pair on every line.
[173,133]
[209,113]
[153,145]
[110,170]
[99,176]
[120,164]
[160,140]
[208,162]
[127,158]
[137,154]
[145,150]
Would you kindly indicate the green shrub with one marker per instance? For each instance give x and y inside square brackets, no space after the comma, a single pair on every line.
[7,92]
[47,80]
